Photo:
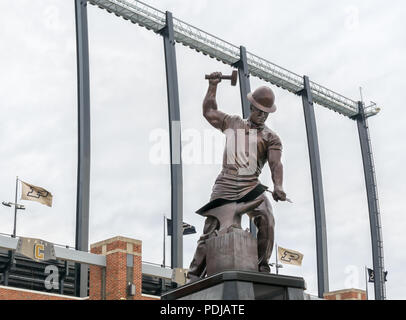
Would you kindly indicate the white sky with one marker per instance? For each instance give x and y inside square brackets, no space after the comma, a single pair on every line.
[341,45]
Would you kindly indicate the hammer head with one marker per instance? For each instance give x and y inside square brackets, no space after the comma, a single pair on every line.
[234,76]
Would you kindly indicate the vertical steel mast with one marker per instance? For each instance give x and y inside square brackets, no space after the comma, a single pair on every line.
[83,174]
[175,143]
[373,204]
[245,88]
[317,185]
[244,78]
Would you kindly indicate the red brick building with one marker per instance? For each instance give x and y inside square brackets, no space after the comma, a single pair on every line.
[118,273]
[346,294]
[122,275]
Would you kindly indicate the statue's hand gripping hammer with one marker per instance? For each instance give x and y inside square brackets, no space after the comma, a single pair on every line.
[233,77]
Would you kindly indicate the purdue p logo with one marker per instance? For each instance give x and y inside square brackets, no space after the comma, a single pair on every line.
[37,193]
[290,256]
[39,251]
[34,193]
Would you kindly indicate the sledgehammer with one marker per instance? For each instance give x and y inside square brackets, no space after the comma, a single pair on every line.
[232,77]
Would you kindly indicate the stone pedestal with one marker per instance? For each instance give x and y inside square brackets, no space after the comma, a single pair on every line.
[234,250]
[241,285]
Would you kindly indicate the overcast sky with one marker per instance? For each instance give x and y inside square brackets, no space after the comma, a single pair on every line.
[341,45]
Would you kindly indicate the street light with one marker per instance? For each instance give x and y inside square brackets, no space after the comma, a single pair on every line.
[16,207]
[7,204]
[277,266]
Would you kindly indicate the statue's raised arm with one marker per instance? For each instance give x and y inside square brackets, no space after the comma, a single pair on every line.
[210,110]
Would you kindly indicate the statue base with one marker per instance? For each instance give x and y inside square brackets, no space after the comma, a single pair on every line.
[241,285]
[235,249]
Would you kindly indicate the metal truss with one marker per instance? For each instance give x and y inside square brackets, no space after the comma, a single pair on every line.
[201,41]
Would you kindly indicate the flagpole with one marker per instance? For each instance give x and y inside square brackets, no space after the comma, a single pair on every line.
[276,258]
[164,241]
[366,281]
[15,210]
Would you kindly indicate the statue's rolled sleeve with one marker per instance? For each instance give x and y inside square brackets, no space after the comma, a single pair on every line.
[274,143]
[230,121]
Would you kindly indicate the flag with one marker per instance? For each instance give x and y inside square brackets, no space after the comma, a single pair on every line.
[371,275]
[187,228]
[288,256]
[34,193]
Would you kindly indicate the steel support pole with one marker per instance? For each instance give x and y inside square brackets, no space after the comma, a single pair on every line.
[175,143]
[63,278]
[317,185]
[6,275]
[10,263]
[373,204]
[244,78]
[366,281]
[245,88]
[83,173]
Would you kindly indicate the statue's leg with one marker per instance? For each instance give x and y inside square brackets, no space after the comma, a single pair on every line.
[265,222]
[198,263]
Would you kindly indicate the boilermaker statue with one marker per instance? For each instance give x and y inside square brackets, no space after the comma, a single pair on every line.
[237,190]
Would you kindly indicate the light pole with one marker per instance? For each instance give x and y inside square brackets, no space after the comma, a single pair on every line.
[276,264]
[16,207]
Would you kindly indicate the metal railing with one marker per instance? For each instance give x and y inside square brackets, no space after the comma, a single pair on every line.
[201,41]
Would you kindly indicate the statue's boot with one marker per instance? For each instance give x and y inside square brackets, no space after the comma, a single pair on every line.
[198,263]
[264,220]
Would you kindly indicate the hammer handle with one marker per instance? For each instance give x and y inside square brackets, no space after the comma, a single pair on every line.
[207,76]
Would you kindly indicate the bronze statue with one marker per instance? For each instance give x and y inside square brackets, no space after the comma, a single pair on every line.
[238,181]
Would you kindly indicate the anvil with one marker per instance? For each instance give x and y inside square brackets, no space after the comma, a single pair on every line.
[229,214]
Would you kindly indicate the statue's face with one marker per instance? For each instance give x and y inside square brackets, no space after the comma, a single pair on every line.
[258,116]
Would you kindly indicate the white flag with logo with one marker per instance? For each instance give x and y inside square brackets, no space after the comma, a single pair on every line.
[34,193]
[288,256]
